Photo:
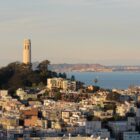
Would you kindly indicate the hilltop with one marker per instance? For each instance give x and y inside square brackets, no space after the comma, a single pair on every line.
[18,75]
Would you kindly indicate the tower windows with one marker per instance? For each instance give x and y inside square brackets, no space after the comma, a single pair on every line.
[27,47]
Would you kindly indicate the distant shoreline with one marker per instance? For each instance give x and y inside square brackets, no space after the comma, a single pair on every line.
[92,68]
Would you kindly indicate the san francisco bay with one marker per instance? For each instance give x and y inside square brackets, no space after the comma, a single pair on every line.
[110,80]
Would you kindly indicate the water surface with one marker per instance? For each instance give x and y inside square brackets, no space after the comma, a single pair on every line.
[120,80]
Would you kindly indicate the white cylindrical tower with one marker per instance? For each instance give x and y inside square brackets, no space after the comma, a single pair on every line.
[27,51]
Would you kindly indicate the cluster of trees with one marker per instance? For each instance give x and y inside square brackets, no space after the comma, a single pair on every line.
[113,96]
[72,97]
[18,75]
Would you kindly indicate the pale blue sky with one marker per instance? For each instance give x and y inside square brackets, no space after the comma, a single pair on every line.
[71,31]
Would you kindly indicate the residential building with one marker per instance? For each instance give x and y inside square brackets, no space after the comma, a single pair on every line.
[53,83]
[61,83]
[131,136]
[92,126]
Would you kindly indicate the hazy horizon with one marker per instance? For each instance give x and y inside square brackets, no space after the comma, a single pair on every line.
[71,31]
[78,63]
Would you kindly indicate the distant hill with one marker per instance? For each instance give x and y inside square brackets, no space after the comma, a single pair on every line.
[79,67]
[91,68]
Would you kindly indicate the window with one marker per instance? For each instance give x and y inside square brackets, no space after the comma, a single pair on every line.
[27,47]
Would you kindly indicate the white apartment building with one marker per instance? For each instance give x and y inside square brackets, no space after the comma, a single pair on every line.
[55,83]
[20,92]
[92,126]
[138,112]
[121,126]
[24,95]
[103,133]
[3,93]
[131,136]
[103,114]
[61,83]
[138,116]
[69,85]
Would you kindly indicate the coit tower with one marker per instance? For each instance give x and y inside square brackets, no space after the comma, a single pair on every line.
[27,51]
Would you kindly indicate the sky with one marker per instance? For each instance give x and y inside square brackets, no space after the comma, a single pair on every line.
[71,31]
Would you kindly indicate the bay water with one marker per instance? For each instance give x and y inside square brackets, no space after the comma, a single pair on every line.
[109,80]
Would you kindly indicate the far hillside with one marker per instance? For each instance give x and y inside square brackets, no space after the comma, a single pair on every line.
[78,67]
[91,68]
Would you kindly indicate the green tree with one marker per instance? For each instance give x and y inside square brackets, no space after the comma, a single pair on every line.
[72,78]
[62,75]
[43,66]
[57,96]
